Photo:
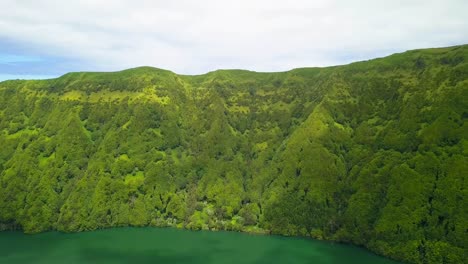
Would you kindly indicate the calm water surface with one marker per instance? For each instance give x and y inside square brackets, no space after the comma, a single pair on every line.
[166,245]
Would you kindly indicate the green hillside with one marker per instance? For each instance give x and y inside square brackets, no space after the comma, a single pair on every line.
[372,153]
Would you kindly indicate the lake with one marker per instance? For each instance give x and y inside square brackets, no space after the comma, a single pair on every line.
[167,245]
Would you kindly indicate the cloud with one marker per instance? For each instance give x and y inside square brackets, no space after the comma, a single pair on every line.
[4,77]
[198,36]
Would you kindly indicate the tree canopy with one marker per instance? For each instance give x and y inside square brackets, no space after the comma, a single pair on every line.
[373,153]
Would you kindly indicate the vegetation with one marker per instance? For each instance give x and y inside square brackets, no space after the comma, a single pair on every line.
[373,153]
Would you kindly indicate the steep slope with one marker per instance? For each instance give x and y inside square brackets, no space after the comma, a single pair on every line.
[374,153]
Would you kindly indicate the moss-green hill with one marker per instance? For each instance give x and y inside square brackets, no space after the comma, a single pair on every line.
[374,153]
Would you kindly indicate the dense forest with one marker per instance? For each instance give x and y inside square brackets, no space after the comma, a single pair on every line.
[373,153]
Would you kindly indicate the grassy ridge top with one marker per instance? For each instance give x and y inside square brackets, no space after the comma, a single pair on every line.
[400,59]
[409,59]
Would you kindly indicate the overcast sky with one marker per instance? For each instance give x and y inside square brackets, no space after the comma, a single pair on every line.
[46,38]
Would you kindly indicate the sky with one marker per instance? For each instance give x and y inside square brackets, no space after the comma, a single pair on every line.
[48,38]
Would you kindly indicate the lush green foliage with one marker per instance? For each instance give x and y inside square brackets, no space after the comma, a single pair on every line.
[374,153]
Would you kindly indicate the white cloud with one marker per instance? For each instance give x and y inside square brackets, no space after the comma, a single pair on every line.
[199,36]
[4,77]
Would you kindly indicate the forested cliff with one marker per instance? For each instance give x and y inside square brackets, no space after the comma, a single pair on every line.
[373,153]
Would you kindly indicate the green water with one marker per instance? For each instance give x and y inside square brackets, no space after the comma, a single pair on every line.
[165,245]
